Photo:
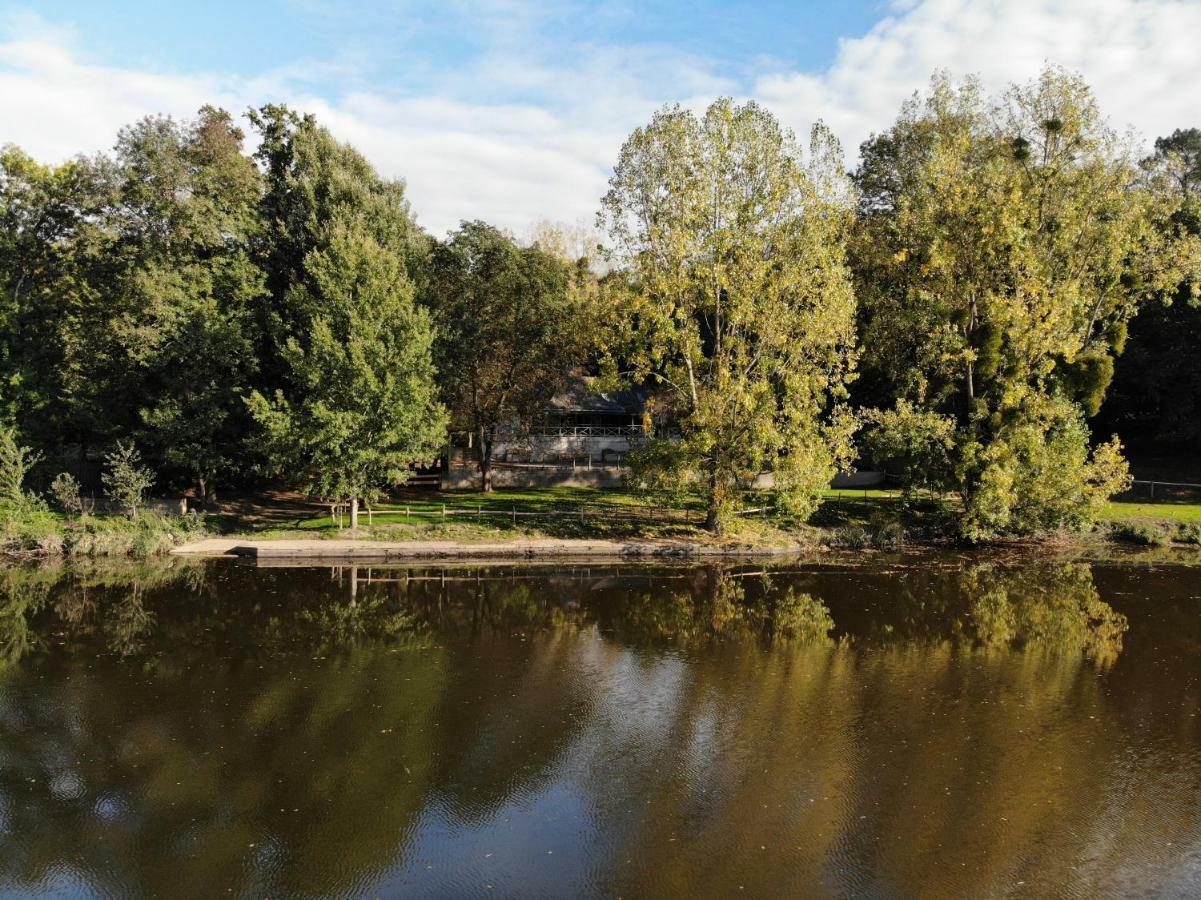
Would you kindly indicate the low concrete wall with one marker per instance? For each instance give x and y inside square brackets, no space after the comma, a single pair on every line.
[461,478]
[767,480]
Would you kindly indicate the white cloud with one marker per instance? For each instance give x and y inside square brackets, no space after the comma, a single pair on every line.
[469,150]
[1140,57]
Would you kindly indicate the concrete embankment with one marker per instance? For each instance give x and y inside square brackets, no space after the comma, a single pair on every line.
[355,550]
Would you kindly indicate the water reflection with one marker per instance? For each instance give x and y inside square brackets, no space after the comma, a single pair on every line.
[926,728]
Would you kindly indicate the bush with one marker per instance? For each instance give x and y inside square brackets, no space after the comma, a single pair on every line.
[15,463]
[1188,533]
[1144,534]
[65,491]
[127,480]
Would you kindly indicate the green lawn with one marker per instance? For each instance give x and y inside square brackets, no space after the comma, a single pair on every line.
[463,514]
[1160,512]
[555,512]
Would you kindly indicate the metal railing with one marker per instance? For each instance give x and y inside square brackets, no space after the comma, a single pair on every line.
[1167,490]
[614,431]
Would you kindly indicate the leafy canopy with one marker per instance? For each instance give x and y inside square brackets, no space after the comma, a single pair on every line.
[738,305]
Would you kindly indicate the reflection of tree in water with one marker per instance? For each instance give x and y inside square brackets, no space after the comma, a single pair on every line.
[1049,607]
[145,609]
[935,747]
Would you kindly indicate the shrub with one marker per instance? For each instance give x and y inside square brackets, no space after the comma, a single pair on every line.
[65,491]
[127,480]
[1144,534]
[15,463]
[1188,533]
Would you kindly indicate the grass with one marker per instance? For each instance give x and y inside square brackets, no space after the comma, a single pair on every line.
[847,518]
[1124,511]
[546,512]
[33,530]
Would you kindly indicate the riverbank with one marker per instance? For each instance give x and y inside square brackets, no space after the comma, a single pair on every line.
[549,522]
[38,533]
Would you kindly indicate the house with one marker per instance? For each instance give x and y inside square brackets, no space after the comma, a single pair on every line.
[579,440]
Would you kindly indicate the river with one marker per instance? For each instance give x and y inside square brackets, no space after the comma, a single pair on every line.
[935,725]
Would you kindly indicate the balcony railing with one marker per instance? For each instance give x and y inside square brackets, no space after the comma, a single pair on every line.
[607,431]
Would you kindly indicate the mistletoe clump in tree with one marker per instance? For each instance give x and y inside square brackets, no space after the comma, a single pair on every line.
[735,302]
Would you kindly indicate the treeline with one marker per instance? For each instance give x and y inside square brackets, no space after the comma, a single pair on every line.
[951,309]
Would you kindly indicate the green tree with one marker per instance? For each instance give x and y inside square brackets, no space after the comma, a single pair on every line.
[509,325]
[55,263]
[360,399]
[15,462]
[736,302]
[309,180]
[126,480]
[1002,248]
[186,223]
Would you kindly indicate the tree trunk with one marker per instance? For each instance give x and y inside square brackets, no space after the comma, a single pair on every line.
[713,510]
[354,513]
[485,462]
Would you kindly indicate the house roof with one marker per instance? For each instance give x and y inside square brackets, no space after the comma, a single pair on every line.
[578,396]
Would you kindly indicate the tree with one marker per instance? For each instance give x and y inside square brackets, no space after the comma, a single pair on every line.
[126,480]
[55,267]
[508,328]
[360,402]
[310,180]
[15,463]
[186,223]
[1001,250]
[736,302]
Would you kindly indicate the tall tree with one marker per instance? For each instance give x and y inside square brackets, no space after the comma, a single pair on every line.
[509,325]
[310,180]
[737,302]
[186,220]
[55,267]
[1002,249]
[360,402]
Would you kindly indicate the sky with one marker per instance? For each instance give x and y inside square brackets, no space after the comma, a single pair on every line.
[513,111]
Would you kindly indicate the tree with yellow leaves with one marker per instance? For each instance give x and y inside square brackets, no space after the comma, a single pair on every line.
[1002,248]
[734,301]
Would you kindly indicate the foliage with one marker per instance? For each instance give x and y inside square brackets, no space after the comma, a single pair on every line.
[360,404]
[67,494]
[510,323]
[15,463]
[1001,251]
[126,480]
[1157,382]
[1144,534]
[911,442]
[736,305]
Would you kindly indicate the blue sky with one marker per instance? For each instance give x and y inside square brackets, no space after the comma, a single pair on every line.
[411,46]
[514,111]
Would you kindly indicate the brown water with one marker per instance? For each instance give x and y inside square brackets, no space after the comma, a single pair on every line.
[937,727]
